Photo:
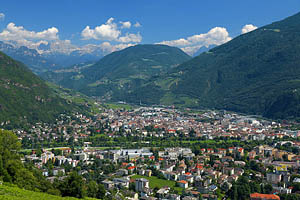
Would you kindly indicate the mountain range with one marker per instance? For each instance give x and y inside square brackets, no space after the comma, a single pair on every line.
[255,73]
[42,60]
[120,72]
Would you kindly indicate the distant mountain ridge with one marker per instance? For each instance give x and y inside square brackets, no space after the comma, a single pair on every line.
[47,61]
[30,57]
[121,72]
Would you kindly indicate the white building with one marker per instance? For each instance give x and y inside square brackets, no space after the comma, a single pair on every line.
[141,184]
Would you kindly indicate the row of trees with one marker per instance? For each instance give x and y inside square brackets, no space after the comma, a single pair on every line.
[12,170]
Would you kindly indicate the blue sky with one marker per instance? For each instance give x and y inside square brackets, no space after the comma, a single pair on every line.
[161,21]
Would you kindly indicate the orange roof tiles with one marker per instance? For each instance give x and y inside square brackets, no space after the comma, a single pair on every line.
[132,167]
[182,181]
[264,196]
[152,157]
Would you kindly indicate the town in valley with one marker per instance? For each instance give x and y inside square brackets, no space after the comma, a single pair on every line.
[167,153]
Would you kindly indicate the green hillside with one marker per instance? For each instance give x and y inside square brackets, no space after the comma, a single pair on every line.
[120,72]
[26,98]
[256,73]
[15,193]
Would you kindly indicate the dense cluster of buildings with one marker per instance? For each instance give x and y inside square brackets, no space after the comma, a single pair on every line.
[153,122]
[192,175]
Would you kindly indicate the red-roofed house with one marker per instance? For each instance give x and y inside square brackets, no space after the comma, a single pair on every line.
[131,168]
[252,155]
[152,157]
[222,151]
[171,131]
[240,151]
[183,184]
[258,196]
[124,164]
[210,151]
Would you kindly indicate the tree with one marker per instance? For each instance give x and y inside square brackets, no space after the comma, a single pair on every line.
[11,168]
[92,189]
[101,191]
[9,158]
[296,187]
[268,188]
[73,186]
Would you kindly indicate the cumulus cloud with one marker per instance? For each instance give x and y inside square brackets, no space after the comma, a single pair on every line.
[248,27]
[108,31]
[19,36]
[2,16]
[48,41]
[111,32]
[130,37]
[15,33]
[125,24]
[137,24]
[179,42]
[216,36]
[109,48]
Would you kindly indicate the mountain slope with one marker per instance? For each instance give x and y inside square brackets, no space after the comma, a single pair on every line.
[121,72]
[255,73]
[24,97]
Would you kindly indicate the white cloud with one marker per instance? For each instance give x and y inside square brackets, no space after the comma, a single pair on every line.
[2,16]
[179,42]
[107,47]
[137,24]
[216,36]
[108,31]
[19,36]
[248,27]
[130,37]
[16,33]
[111,32]
[125,24]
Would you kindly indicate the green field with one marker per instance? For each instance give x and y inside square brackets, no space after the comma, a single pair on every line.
[15,193]
[156,182]
[118,106]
